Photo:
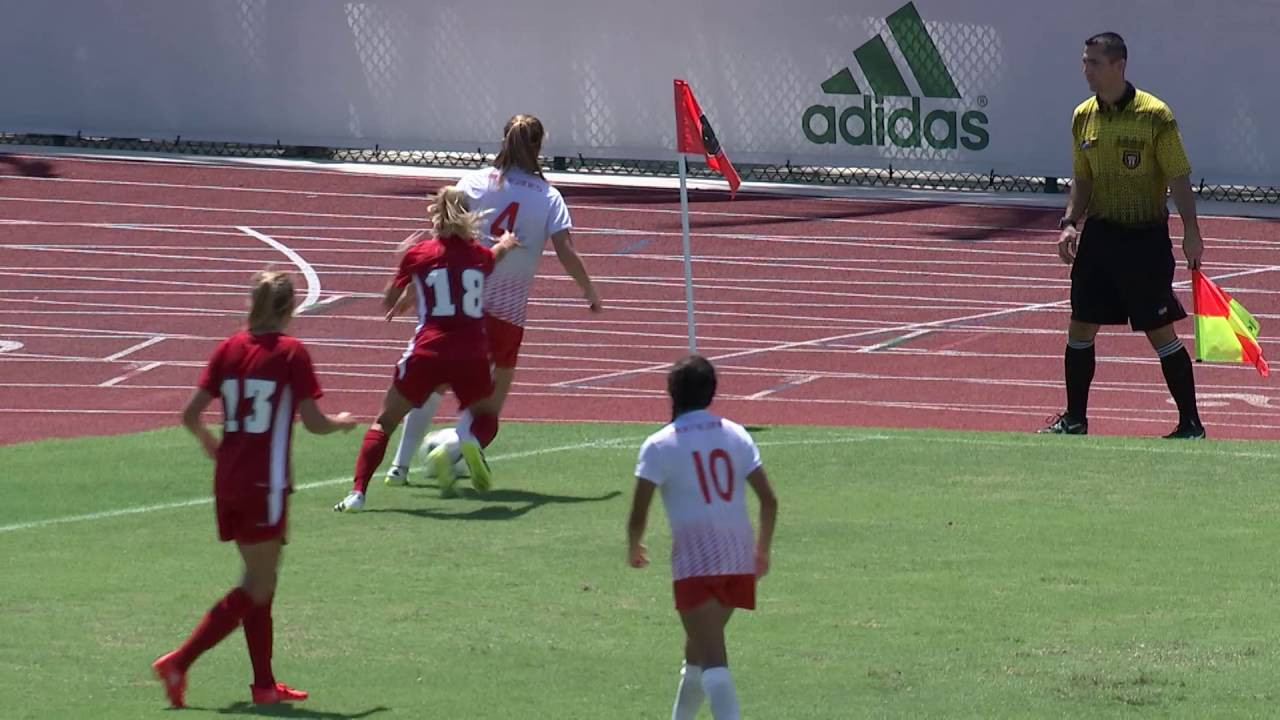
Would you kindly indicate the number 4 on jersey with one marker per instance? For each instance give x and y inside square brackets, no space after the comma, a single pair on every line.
[506,220]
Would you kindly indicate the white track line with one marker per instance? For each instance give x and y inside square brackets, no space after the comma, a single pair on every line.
[313,280]
[790,261]
[820,194]
[1119,413]
[894,341]
[903,328]
[787,384]
[134,348]
[130,375]
[814,194]
[198,208]
[335,298]
[578,206]
[586,229]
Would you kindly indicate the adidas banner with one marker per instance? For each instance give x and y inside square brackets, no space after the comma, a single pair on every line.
[947,85]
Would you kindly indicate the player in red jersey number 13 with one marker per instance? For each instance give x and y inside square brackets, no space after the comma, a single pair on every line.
[264,378]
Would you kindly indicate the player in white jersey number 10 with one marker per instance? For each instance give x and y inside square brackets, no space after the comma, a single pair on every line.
[515,197]
[701,464]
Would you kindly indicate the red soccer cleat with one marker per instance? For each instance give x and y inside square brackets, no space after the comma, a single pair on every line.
[175,680]
[277,694]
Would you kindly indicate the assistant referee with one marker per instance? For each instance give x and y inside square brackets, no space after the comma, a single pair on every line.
[1127,152]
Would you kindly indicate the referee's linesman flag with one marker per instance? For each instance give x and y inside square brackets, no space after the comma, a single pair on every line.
[695,136]
[1225,331]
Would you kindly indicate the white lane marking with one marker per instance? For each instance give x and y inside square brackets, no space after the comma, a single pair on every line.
[134,348]
[313,280]
[130,375]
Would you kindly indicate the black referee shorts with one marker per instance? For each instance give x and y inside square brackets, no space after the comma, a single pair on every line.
[1124,274]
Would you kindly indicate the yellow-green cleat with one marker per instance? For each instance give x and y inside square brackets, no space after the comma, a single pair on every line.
[481,476]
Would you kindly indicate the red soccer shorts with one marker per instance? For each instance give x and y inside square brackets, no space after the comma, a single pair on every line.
[252,518]
[504,341]
[738,591]
[418,375]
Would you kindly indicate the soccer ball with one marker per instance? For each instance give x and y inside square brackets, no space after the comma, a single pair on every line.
[449,437]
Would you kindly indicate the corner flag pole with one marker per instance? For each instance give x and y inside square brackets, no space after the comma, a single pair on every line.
[688,262]
[695,135]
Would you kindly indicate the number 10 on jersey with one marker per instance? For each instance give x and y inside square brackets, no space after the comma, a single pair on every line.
[720,469]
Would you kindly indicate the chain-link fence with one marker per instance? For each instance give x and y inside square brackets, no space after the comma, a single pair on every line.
[886,177]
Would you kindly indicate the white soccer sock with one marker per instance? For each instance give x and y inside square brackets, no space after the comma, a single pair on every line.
[416,424]
[448,437]
[689,693]
[464,426]
[717,683]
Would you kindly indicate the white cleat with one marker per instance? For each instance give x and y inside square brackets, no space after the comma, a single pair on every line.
[397,476]
[352,503]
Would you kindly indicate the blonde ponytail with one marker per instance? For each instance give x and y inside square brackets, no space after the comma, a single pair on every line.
[450,216]
[272,300]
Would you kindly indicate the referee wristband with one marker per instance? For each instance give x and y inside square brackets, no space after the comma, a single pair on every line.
[1066,222]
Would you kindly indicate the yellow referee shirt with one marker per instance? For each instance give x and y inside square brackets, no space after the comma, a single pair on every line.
[1129,151]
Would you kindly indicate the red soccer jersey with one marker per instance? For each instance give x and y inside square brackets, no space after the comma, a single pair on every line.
[261,379]
[448,274]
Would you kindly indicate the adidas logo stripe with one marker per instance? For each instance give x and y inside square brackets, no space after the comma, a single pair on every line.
[880,120]
[882,72]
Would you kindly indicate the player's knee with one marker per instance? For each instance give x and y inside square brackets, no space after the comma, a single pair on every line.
[1162,336]
[261,585]
[388,421]
[1081,332]
[714,657]
[692,654]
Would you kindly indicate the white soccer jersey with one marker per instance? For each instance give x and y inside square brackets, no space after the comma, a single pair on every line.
[531,208]
[700,464]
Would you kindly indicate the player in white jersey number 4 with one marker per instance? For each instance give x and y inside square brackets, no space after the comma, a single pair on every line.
[516,198]
[701,463]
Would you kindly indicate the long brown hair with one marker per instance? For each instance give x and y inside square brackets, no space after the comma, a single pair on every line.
[521,144]
[272,298]
[450,215]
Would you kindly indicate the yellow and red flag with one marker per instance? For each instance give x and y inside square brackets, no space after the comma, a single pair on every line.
[1225,331]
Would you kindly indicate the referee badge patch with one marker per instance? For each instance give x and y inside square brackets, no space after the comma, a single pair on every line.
[1131,159]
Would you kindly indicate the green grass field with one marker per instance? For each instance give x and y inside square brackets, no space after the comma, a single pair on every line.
[916,575]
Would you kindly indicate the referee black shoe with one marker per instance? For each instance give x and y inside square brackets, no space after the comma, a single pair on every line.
[1064,425]
[1186,431]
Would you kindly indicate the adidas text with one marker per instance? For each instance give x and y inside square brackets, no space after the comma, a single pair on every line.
[878,124]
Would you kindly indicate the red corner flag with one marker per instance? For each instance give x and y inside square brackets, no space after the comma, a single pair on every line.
[695,136]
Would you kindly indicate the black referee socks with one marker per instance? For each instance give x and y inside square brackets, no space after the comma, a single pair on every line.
[1176,364]
[1080,362]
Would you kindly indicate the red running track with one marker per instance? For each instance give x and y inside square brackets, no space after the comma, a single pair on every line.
[118,276]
